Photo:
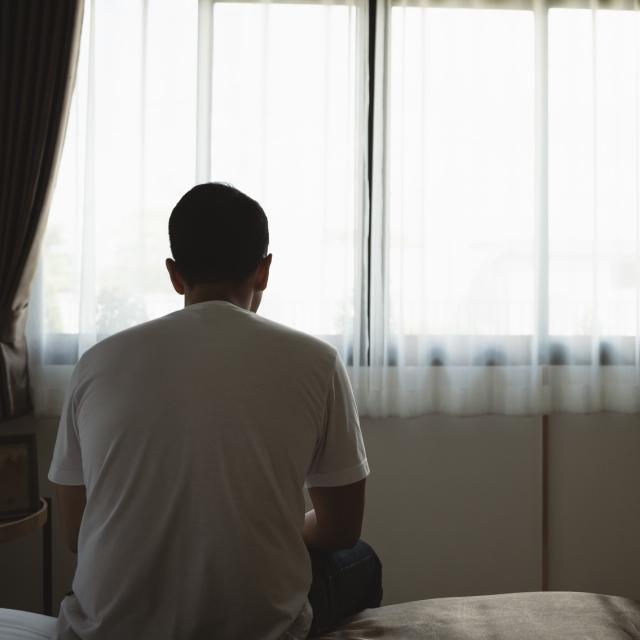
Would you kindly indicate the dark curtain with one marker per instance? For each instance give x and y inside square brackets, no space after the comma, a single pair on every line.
[38,54]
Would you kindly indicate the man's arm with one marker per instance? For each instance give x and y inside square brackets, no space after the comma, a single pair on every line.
[336,519]
[72,500]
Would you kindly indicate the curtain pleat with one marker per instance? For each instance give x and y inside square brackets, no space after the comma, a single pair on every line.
[38,51]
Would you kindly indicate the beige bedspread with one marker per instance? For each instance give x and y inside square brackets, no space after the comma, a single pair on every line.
[513,616]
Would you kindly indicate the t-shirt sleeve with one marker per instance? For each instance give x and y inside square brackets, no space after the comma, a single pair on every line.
[340,457]
[66,464]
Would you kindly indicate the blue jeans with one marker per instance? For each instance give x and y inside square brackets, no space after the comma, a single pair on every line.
[344,583]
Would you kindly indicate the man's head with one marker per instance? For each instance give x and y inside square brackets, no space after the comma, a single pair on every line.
[219,239]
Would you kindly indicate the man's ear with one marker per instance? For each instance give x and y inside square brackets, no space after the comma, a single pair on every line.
[176,278]
[262,274]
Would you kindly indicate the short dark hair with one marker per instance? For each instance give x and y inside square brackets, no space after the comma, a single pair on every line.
[217,234]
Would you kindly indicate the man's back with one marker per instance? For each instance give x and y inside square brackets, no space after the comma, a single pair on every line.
[193,435]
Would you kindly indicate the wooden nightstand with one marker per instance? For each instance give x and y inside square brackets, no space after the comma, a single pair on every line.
[40,519]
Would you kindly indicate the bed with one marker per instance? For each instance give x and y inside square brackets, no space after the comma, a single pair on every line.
[513,616]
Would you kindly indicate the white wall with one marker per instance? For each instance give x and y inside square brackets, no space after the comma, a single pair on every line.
[595,504]
[454,505]
[454,508]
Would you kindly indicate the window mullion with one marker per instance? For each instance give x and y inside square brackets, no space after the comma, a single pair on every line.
[370,130]
[204,91]
[541,197]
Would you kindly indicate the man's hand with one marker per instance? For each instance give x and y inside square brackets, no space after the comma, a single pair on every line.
[71,503]
[336,520]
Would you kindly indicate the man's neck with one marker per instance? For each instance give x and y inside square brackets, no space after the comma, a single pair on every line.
[240,296]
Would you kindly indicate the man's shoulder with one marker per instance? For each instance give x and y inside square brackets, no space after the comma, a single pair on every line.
[297,340]
[150,335]
[127,341]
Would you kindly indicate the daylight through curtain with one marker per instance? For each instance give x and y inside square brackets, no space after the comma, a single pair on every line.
[506,253]
[498,270]
[270,97]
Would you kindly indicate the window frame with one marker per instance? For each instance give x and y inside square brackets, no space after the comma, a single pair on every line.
[63,348]
[554,349]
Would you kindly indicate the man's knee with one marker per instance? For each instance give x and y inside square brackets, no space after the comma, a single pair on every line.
[344,583]
[363,570]
[374,598]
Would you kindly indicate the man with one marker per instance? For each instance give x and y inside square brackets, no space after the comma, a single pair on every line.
[182,451]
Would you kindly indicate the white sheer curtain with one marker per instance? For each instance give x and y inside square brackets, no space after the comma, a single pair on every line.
[498,268]
[505,224]
[270,97]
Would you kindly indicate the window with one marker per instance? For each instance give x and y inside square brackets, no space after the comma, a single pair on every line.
[512,197]
[283,128]
[461,172]
[452,187]
[593,172]
[264,96]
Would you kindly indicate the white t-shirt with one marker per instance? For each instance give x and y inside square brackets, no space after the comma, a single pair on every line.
[194,435]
